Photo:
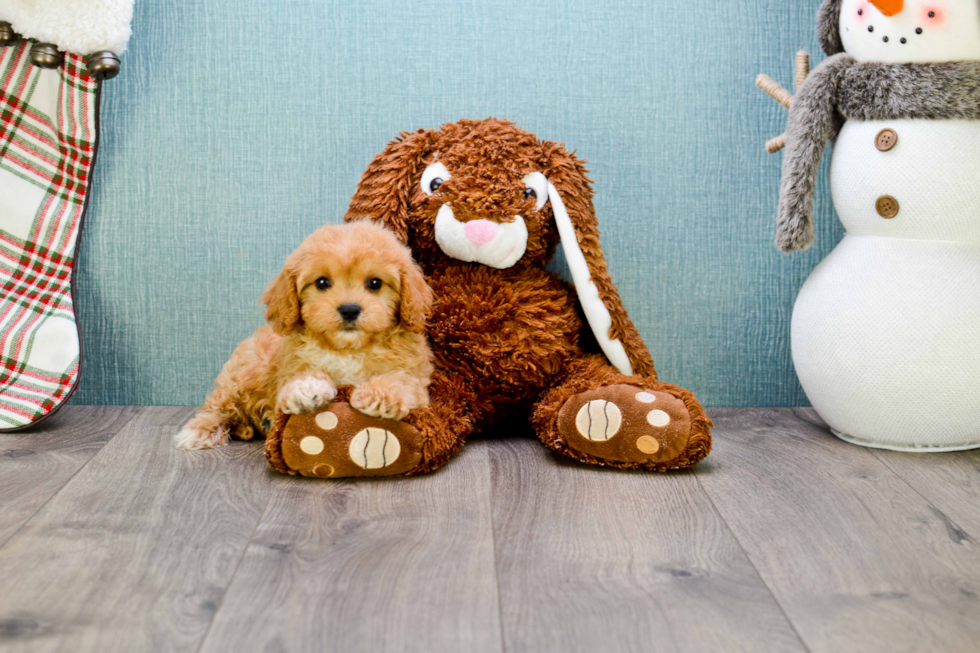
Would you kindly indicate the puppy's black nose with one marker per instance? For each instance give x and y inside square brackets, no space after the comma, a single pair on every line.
[349,312]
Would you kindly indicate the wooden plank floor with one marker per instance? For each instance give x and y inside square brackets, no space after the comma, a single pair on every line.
[784,539]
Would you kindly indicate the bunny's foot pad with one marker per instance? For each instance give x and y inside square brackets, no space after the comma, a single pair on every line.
[626,424]
[340,442]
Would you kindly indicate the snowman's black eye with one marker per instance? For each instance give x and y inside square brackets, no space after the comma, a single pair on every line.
[322,283]
[529,193]
[374,284]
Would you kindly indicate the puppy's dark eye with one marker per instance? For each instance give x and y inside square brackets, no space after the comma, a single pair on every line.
[529,193]
[374,284]
[322,283]
[435,184]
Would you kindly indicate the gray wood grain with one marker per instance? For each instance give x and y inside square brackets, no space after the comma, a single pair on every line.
[858,560]
[950,481]
[601,560]
[136,551]
[785,536]
[35,464]
[369,565]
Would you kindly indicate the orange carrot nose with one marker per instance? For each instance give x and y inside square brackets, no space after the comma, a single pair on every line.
[889,7]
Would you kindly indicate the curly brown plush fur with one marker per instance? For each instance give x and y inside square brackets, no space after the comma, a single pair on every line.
[509,343]
[495,156]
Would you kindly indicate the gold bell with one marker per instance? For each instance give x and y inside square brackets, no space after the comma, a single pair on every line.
[103,65]
[7,34]
[46,55]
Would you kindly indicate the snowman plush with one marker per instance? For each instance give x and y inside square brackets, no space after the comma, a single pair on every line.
[886,331]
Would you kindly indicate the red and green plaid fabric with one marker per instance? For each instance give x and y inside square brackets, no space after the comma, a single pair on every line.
[47,144]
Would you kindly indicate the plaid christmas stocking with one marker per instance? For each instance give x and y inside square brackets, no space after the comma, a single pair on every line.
[48,138]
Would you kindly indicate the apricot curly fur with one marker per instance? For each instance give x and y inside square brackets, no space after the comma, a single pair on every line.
[294,363]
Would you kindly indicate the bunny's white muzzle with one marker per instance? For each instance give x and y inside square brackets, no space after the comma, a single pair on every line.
[497,245]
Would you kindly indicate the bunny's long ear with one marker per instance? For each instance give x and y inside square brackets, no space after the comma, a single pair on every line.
[387,184]
[571,202]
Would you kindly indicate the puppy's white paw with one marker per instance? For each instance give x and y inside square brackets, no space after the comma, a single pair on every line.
[305,395]
[387,400]
[191,437]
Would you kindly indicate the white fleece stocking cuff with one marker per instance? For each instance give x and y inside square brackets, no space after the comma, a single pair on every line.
[78,26]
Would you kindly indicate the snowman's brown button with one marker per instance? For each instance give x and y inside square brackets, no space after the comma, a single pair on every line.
[887,206]
[886,140]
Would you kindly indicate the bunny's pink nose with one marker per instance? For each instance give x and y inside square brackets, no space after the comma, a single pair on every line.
[480,232]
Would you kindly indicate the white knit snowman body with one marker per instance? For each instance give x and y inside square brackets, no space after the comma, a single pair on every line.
[886,331]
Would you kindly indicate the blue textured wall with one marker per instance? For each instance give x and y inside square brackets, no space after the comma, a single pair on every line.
[239,126]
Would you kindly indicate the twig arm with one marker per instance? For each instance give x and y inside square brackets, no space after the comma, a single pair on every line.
[774,90]
[802,67]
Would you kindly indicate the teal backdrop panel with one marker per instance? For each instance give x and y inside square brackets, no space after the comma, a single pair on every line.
[237,127]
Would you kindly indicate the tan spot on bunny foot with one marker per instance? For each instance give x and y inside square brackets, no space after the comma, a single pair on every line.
[626,424]
[340,442]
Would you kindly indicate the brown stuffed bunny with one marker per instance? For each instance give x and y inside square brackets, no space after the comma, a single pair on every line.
[483,205]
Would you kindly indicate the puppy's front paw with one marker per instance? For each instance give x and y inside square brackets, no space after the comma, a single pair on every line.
[387,399]
[194,437]
[305,395]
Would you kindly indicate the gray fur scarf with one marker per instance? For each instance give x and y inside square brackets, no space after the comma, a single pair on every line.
[842,89]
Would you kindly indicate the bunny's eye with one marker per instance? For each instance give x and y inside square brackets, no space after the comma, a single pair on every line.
[537,188]
[434,177]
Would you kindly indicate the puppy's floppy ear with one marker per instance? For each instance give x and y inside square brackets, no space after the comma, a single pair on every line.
[416,297]
[282,301]
[389,182]
[570,194]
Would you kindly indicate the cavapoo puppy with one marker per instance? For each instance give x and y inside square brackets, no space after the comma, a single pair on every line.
[348,308]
